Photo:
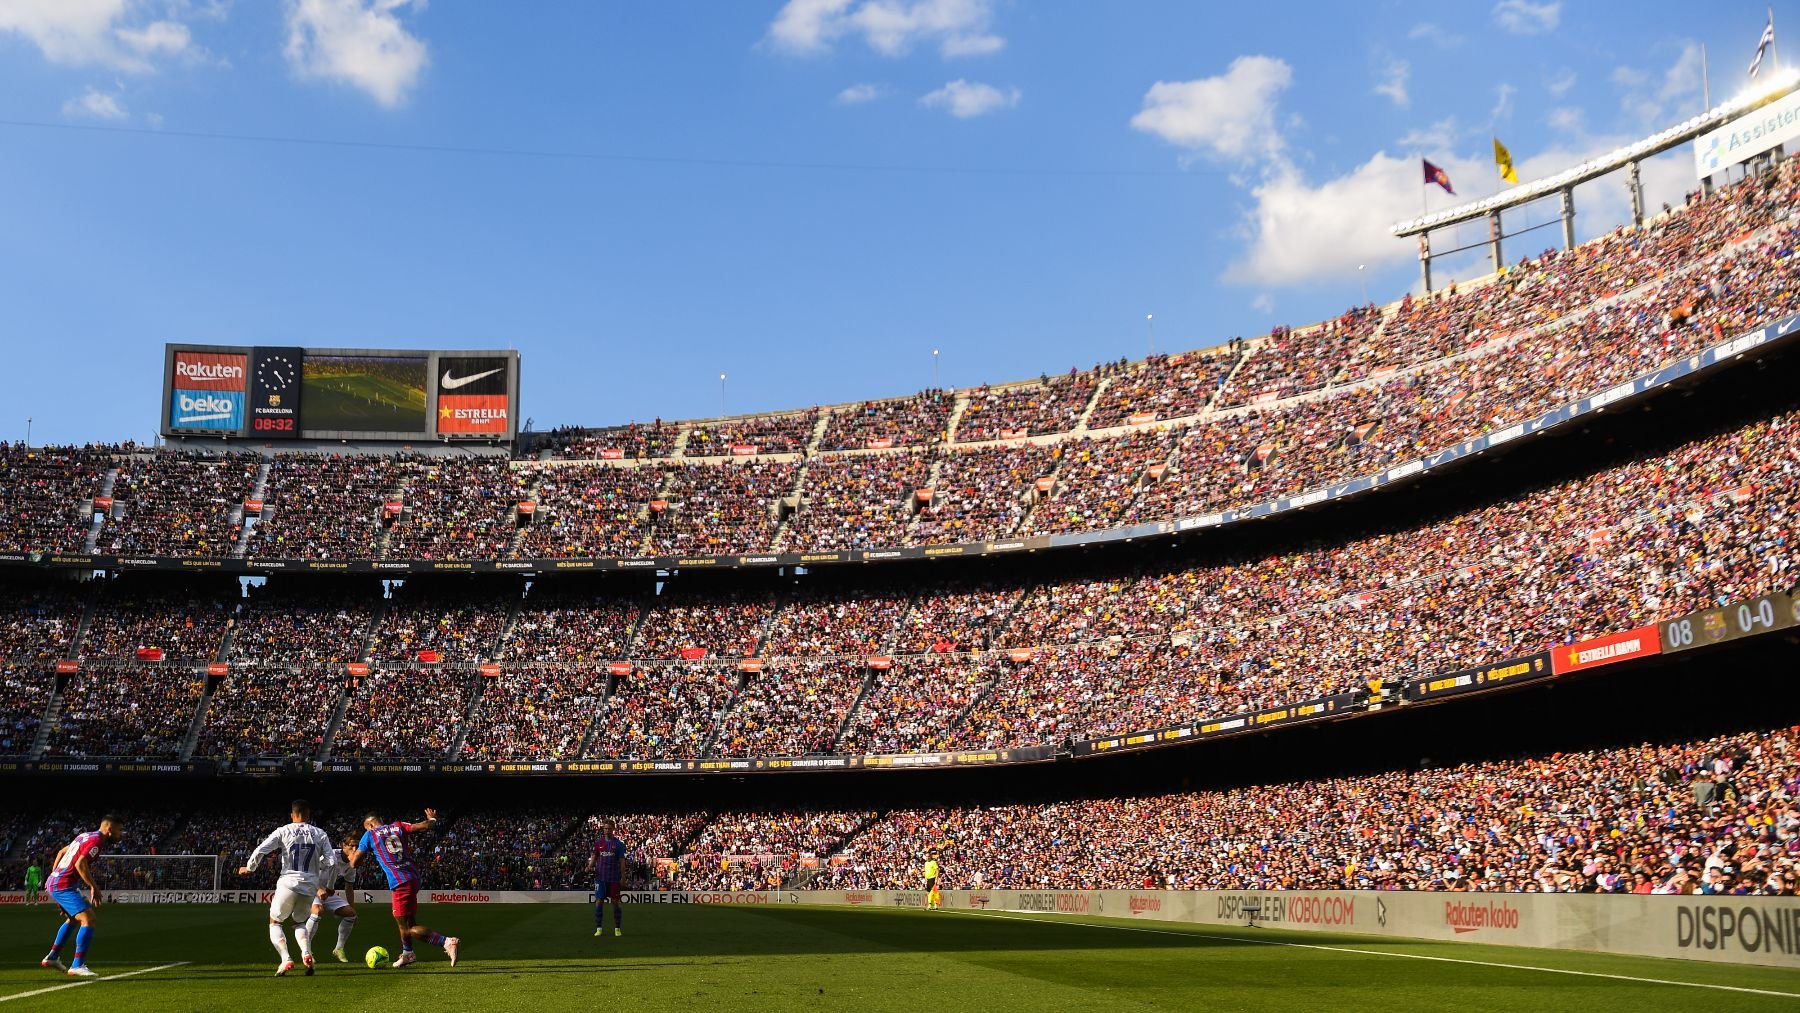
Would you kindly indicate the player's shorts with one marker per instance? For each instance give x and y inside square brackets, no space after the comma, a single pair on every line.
[334,903]
[292,899]
[931,884]
[406,899]
[606,891]
[72,900]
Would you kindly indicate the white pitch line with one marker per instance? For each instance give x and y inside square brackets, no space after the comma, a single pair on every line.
[1385,953]
[90,981]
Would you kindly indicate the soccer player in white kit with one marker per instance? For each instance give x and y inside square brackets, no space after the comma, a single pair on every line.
[306,853]
[336,884]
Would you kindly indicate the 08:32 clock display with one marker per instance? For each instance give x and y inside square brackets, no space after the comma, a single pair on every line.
[275,393]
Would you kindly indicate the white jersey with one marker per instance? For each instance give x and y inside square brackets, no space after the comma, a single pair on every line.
[306,852]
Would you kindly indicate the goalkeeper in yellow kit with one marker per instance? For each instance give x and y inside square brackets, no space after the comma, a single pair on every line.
[933,899]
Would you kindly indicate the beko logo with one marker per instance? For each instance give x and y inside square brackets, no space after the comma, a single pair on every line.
[207,370]
[203,407]
[451,383]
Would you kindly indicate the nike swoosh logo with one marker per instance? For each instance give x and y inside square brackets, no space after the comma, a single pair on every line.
[449,383]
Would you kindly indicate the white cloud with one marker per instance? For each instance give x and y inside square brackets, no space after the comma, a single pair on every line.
[1231,116]
[1391,81]
[95,104]
[1522,17]
[157,37]
[1561,84]
[966,99]
[105,33]
[1439,136]
[154,119]
[1263,303]
[1503,96]
[1300,232]
[1677,92]
[889,27]
[1437,35]
[857,94]
[1567,118]
[357,42]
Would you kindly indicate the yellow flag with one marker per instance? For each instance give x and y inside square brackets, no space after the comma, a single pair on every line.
[1503,159]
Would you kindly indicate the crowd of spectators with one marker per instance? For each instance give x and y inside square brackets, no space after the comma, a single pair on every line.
[760,850]
[178,504]
[835,622]
[764,434]
[720,509]
[916,706]
[126,710]
[1715,816]
[915,421]
[289,622]
[404,713]
[458,508]
[24,692]
[590,510]
[570,626]
[1051,405]
[434,622]
[136,613]
[1704,816]
[38,621]
[47,493]
[633,442]
[792,707]
[663,711]
[534,713]
[270,710]
[322,506]
[956,617]
[858,501]
[690,625]
[1098,479]
[1163,387]
[981,494]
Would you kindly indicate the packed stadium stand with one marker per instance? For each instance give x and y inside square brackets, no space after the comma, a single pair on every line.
[688,654]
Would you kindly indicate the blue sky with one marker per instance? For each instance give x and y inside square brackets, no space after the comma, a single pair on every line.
[813,195]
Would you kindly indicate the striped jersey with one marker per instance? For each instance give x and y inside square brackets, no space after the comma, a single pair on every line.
[609,860]
[63,875]
[388,843]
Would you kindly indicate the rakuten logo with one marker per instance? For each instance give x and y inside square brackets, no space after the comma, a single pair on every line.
[1477,916]
[207,370]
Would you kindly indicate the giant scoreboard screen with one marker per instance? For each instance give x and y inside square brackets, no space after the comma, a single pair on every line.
[286,393]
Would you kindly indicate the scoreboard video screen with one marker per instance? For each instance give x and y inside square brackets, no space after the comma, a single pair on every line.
[290,393]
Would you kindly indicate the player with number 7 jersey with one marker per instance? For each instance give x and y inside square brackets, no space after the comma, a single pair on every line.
[305,852]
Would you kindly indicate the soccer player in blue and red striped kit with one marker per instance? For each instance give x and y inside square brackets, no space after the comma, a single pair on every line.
[72,868]
[608,863]
[387,842]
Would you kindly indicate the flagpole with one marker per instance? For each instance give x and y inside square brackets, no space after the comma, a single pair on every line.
[1705,81]
[1774,50]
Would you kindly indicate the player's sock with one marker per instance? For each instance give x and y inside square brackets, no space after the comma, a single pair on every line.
[618,916]
[599,915]
[83,937]
[279,937]
[344,927]
[304,938]
[312,925]
[62,936]
[435,938]
[406,945]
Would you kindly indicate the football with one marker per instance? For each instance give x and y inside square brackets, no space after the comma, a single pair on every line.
[377,957]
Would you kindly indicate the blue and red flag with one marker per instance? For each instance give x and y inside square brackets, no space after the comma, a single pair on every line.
[1433,174]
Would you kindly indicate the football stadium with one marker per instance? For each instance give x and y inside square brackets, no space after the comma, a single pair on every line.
[1438,652]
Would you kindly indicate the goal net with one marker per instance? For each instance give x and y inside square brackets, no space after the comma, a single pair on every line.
[158,872]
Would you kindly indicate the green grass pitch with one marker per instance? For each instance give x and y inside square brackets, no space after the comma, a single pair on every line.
[692,958]
[352,403]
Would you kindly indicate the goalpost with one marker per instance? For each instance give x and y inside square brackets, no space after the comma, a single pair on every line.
[158,872]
